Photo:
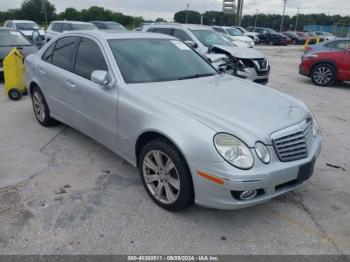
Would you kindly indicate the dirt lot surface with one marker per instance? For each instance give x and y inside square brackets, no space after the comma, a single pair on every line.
[62,193]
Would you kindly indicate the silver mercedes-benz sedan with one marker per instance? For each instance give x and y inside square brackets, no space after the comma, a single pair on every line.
[196,136]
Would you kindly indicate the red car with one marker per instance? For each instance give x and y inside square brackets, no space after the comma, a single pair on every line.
[326,67]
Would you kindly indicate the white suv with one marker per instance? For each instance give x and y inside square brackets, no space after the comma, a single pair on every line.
[58,27]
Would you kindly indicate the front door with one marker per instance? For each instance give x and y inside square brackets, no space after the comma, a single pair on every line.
[92,107]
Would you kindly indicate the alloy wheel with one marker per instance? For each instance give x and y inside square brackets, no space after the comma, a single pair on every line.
[323,75]
[161,177]
[39,106]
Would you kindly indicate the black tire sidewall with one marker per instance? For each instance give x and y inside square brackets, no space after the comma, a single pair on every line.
[333,74]
[186,197]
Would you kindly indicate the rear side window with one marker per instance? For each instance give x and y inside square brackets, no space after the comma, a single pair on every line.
[182,35]
[89,58]
[47,57]
[337,45]
[166,31]
[64,52]
[220,30]
[66,27]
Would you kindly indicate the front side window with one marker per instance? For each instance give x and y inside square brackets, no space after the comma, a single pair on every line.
[89,58]
[66,27]
[340,45]
[57,27]
[234,32]
[157,60]
[210,37]
[64,52]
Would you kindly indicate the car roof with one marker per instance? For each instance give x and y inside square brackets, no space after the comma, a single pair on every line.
[20,21]
[71,22]
[107,35]
[104,22]
[176,25]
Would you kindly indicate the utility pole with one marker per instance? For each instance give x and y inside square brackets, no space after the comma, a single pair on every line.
[188,6]
[45,11]
[239,12]
[284,11]
[256,17]
[297,20]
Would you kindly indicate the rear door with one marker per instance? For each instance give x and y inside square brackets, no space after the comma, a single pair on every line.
[92,107]
[55,71]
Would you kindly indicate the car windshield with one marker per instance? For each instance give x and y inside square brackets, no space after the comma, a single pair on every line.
[209,38]
[27,26]
[234,32]
[12,38]
[83,27]
[158,60]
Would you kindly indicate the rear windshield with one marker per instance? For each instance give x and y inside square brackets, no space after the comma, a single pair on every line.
[83,27]
[210,37]
[12,38]
[27,26]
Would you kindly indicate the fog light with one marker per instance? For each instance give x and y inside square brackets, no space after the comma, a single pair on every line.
[247,195]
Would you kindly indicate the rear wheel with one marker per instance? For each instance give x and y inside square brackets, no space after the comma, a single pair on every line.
[41,110]
[165,175]
[323,75]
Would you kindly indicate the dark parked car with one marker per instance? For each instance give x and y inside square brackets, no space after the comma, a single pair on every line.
[296,39]
[269,36]
[10,38]
[108,25]
[326,67]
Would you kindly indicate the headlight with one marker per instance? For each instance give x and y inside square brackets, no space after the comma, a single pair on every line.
[234,151]
[263,152]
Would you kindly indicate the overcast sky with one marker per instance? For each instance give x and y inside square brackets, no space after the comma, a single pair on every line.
[151,9]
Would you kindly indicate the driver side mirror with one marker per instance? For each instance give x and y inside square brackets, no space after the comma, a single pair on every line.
[191,44]
[100,77]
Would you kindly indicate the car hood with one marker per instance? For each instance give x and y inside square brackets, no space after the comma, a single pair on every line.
[228,104]
[26,50]
[242,52]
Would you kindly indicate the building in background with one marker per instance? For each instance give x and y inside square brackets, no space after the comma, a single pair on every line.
[229,6]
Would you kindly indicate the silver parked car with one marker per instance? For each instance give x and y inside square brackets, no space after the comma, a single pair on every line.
[195,135]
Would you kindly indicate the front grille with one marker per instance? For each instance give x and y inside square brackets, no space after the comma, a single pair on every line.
[294,142]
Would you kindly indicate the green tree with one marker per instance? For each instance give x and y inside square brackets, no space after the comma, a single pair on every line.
[193,17]
[70,14]
[38,10]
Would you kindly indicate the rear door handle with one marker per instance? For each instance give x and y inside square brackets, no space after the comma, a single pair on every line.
[70,84]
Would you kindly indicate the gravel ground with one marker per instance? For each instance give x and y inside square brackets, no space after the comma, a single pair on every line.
[62,193]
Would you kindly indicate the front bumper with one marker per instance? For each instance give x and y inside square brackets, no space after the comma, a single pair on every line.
[261,77]
[271,180]
[303,71]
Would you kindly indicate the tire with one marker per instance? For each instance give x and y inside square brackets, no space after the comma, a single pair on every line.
[271,43]
[14,94]
[323,75]
[41,109]
[294,42]
[173,189]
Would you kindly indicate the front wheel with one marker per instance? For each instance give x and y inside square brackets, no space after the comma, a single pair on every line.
[323,75]
[165,175]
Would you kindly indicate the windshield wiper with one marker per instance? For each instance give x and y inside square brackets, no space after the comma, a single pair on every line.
[195,76]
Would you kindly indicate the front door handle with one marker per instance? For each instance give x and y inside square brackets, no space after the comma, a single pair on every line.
[70,84]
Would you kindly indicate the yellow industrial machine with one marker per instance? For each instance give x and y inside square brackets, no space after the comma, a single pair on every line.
[14,74]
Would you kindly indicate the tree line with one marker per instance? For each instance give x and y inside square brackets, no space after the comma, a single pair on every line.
[42,12]
[263,20]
